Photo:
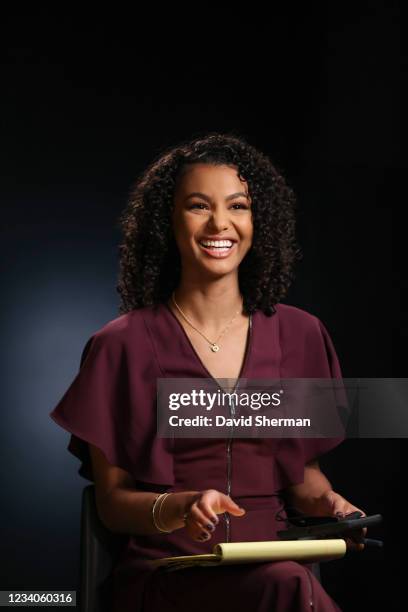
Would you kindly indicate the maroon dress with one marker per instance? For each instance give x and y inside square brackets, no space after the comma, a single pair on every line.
[111,403]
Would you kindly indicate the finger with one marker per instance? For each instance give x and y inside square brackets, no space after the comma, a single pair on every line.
[200,518]
[203,536]
[194,529]
[339,507]
[211,519]
[357,535]
[343,508]
[232,507]
[358,545]
[197,533]
[352,545]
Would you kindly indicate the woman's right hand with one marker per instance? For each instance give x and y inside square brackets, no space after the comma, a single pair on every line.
[201,514]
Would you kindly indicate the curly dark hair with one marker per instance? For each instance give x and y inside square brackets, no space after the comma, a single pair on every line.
[150,263]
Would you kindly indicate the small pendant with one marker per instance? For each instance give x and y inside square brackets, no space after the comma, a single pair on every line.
[215,347]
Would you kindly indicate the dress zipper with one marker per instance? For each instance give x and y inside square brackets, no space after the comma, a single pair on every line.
[229,450]
[229,440]
[311,602]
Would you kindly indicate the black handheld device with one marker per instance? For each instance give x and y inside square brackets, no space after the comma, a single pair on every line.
[330,528]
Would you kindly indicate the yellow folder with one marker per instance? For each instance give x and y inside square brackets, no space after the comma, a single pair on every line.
[227,553]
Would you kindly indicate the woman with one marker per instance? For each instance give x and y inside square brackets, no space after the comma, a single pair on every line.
[208,253]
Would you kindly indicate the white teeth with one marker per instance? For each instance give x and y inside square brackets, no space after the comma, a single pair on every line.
[216,243]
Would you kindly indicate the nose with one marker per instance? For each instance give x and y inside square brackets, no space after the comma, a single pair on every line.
[218,221]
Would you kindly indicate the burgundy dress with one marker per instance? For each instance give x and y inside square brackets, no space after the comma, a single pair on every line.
[111,403]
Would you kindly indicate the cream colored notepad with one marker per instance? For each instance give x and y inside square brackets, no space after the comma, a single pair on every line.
[225,553]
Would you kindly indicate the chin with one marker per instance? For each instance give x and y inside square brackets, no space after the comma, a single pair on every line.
[219,270]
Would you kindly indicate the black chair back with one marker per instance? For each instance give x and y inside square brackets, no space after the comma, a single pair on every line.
[99,551]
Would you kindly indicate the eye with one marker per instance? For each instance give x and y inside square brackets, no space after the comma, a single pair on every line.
[243,206]
[196,206]
[237,206]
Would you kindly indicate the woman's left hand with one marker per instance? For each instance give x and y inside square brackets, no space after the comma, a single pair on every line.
[333,504]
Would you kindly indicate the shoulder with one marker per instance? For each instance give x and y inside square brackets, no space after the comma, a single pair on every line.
[291,326]
[299,325]
[128,329]
[305,337]
[297,319]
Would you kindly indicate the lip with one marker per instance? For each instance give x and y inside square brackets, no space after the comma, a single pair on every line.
[218,238]
[218,253]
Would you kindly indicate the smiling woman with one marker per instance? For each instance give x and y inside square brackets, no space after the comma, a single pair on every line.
[215,188]
[207,254]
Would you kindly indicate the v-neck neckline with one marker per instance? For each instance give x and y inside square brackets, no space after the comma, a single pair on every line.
[248,348]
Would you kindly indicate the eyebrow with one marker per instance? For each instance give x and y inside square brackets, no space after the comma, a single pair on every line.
[206,197]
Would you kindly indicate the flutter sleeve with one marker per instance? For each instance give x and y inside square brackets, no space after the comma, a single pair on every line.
[110,405]
[314,350]
[323,362]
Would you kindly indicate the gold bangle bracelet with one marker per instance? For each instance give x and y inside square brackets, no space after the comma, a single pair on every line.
[159,500]
[153,508]
[160,509]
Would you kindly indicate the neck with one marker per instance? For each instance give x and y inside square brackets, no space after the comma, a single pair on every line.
[210,306]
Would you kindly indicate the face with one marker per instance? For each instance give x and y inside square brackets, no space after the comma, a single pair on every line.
[212,219]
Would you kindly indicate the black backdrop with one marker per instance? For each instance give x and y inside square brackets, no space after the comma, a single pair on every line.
[87,100]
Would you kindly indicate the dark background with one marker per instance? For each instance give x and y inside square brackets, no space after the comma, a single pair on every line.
[87,101]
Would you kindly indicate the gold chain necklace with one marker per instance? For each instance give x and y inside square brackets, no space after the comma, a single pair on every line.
[213,345]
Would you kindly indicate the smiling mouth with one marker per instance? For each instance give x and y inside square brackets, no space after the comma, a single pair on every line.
[222,249]
[217,244]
